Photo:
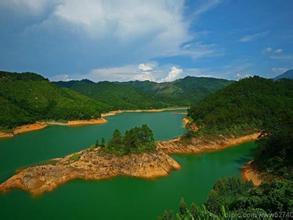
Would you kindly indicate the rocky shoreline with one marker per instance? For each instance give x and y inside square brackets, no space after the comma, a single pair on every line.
[90,164]
[250,173]
[199,145]
[96,164]
[41,125]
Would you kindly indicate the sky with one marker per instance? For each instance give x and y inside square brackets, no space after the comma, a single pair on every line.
[157,40]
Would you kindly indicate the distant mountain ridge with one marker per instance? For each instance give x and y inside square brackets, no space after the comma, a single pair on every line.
[148,94]
[29,97]
[286,75]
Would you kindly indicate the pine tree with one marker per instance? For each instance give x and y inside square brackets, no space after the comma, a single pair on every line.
[103,142]
[97,142]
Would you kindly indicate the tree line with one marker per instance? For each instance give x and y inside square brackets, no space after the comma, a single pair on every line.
[134,140]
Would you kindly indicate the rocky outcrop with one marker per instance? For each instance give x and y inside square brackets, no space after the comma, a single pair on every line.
[96,164]
[200,145]
[250,173]
[91,164]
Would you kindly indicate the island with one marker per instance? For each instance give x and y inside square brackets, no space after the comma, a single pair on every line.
[133,154]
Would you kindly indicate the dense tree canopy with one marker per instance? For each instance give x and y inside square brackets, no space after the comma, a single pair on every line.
[249,104]
[28,97]
[243,106]
[135,140]
[147,94]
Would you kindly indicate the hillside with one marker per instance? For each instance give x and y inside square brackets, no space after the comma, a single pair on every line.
[28,97]
[243,105]
[251,103]
[147,94]
[287,75]
[115,94]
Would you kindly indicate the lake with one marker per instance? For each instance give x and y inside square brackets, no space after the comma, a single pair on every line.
[120,197]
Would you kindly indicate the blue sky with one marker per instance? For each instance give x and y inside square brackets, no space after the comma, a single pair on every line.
[159,40]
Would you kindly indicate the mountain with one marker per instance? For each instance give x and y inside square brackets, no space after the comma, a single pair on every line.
[147,94]
[244,106]
[286,75]
[115,94]
[28,97]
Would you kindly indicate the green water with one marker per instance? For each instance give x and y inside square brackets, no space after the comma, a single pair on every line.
[117,198]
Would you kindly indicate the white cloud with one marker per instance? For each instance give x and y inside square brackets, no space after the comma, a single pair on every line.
[253,37]
[145,67]
[209,4]
[277,54]
[141,72]
[268,50]
[279,70]
[175,73]
[279,50]
[34,7]
[150,28]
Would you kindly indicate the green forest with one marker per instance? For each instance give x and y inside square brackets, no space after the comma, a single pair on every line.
[135,140]
[147,94]
[232,198]
[243,106]
[28,97]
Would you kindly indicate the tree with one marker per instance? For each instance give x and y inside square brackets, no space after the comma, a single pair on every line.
[116,140]
[103,142]
[135,140]
[97,142]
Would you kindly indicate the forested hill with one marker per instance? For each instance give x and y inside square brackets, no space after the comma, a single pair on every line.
[147,94]
[244,105]
[115,94]
[28,97]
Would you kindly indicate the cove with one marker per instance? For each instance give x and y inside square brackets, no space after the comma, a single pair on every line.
[117,198]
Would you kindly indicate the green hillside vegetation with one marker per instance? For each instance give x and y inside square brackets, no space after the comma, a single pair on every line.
[274,155]
[135,140]
[182,92]
[231,198]
[147,94]
[115,94]
[28,97]
[243,106]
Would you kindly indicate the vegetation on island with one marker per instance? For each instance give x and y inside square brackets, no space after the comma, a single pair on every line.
[243,106]
[135,140]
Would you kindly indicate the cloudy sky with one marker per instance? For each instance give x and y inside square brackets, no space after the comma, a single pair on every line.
[158,40]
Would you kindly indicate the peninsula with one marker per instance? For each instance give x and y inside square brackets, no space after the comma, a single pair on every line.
[83,122]
[134,154]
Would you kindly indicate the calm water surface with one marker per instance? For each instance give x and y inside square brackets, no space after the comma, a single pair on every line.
[120,197]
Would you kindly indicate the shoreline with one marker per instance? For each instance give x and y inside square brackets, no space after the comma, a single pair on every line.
[197,146]
[43,124]
[90,164]
[95,164]
[75,123]
[116,112]
[249,173]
